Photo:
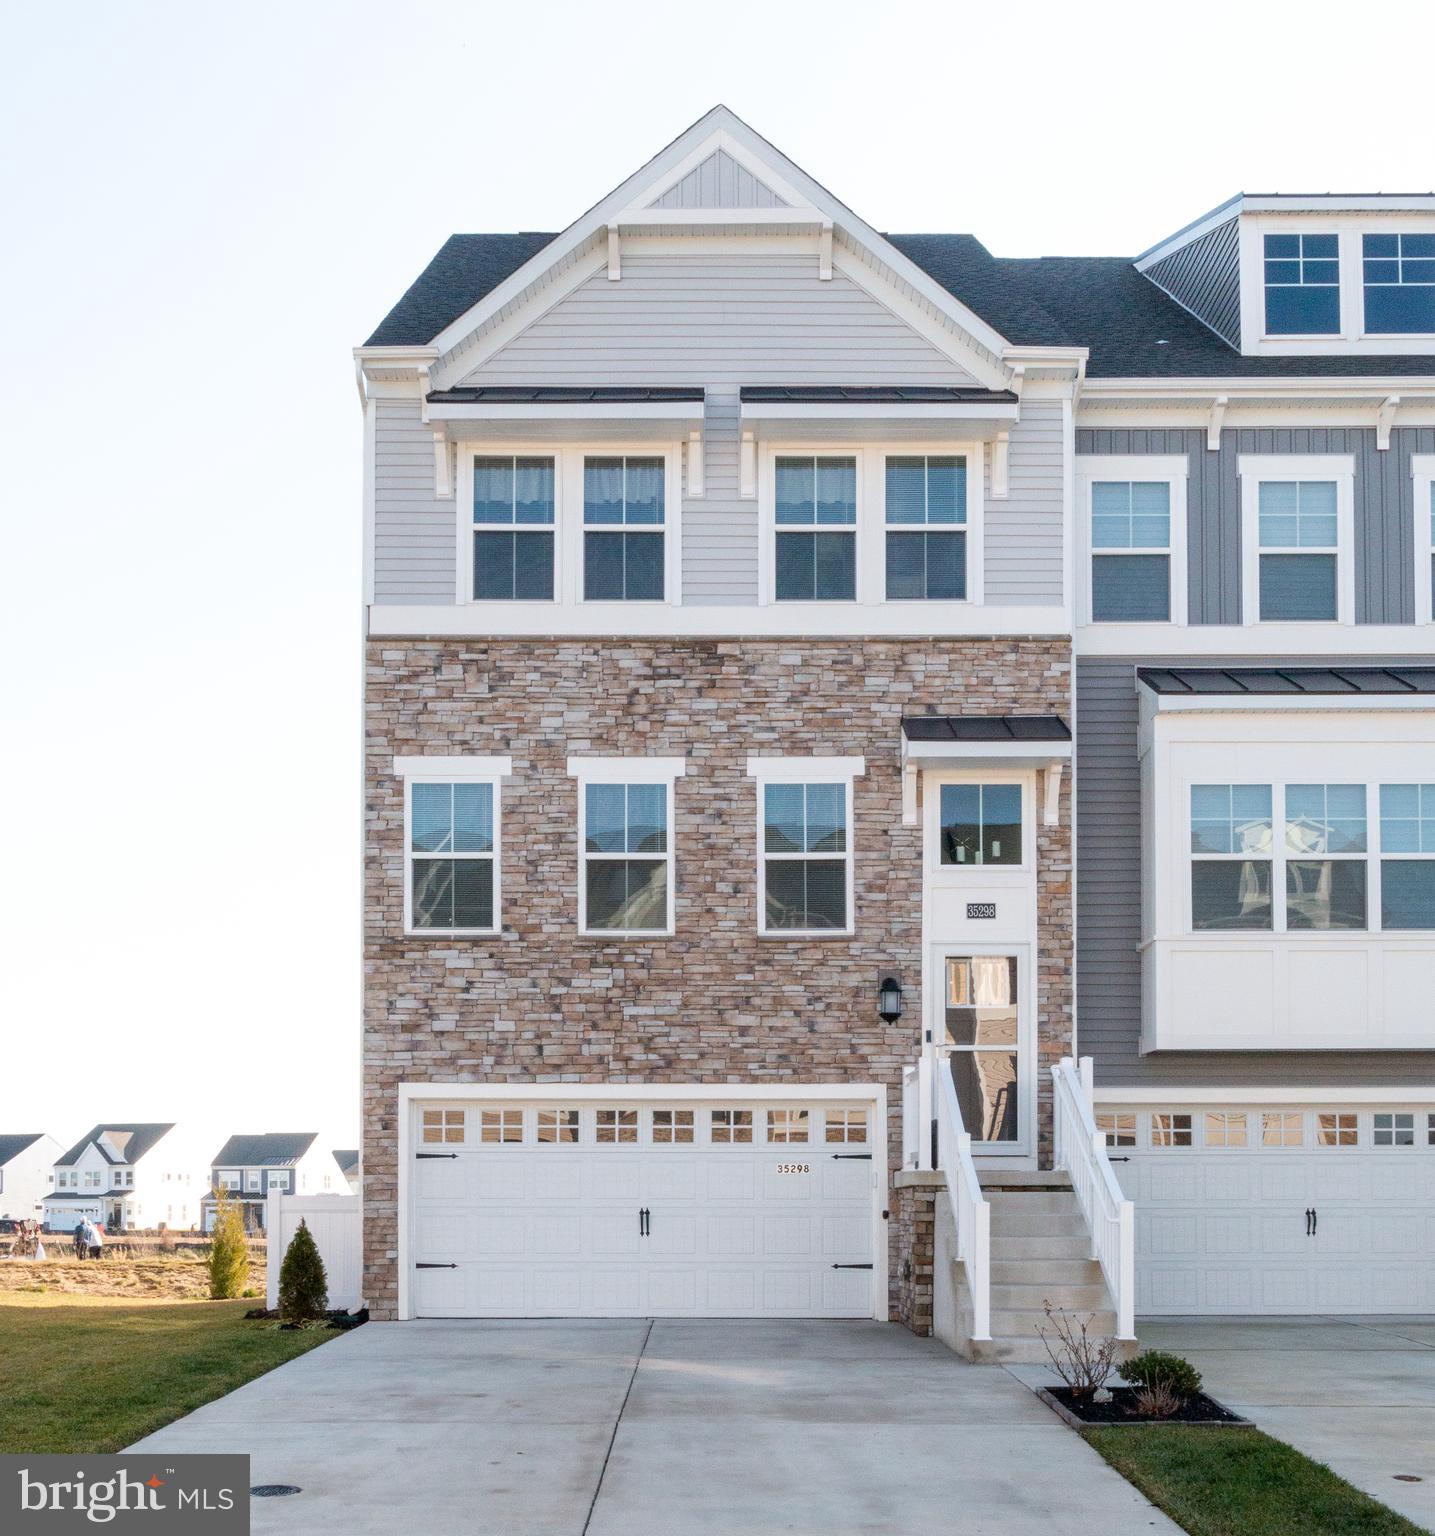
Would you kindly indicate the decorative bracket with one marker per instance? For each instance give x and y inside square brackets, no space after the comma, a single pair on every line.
[909,794]
[615,254]
[442,478]
[423,374]
[1384,420]
[824,252]
[695,464]
[1001,465]
[1214,422]
[1051,783]
[747,467]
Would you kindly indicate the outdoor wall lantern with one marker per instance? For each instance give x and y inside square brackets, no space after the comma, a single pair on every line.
[889,999]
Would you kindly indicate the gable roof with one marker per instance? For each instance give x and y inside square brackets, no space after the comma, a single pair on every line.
[347,1159]
[13,1145]
[274,1149]
[135,1140]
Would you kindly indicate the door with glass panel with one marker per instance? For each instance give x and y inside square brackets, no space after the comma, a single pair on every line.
[981,1039]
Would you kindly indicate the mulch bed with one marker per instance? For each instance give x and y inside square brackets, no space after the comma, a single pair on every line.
[1082,1412]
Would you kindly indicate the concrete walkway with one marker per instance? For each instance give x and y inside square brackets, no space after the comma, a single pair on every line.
[663,1429]
[1355,1393]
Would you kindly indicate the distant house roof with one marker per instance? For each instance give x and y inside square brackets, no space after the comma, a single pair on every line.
[1132,328]
[117,1143]
[274,1149]
[13,1145]
[347,1159]
[1399,682]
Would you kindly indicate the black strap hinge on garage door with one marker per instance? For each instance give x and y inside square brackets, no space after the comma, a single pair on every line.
[432,1155]
[852,1266]
[435,1266]
[853,1157]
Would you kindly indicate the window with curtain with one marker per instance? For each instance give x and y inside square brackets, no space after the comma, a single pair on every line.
[1298,529]
[627,858]
[513,529]
[1302,279]
[1231,856]
[623,529]
[1399,274]
[1130,551]
[815,517]
[806,854]
[451,856]
[926,513]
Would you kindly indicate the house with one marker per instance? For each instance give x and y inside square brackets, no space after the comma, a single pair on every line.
[26,1168]
[127,1178]
[251,1168]
[747,592]
[352,1169]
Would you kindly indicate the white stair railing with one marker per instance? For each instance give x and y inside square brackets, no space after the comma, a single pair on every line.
[1110,1216]
[953,1155]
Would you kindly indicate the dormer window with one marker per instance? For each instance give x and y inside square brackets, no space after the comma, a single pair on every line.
[1302,275]
[1399,275]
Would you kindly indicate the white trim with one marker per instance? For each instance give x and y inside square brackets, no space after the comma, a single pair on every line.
[1256,469]
[925,412]
[494,857]
[802,770]
[1308,1095]
[627,770]
[972,528]
[661,771]
[1290,704]
[522,415]
[1171,469]
[475,768]
[868,1094]
[1026,754]
[1195,641]
[1422,470]
[806,770]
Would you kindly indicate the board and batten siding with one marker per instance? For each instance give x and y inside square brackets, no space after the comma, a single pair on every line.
[1108,914]
[719,182]
[717,322]
[1384,508]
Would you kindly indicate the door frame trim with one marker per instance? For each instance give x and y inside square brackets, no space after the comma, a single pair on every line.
[872,1094]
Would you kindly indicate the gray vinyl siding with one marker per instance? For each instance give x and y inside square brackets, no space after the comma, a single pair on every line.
[1023,549]
[414,538]
[1384,509]
[1205,277]
[1108,917]
[719,182]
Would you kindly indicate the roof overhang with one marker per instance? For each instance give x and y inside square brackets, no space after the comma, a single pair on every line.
[501,412]
[1018,741]
[1284,690]
[794,414]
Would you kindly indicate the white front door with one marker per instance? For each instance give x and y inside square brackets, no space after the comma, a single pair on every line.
[658,1209]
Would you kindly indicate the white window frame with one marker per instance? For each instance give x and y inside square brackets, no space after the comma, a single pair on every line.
[453,770]
[626,770]
[1341,284]
[1422,470]
[1255,469]
[994,774]
[1172,468]
[1358,241]
[569,521]
[667,530]
[975,456]
[806,770]
[768,526]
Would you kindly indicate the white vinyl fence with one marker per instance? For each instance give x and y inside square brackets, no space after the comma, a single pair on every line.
[336,1222]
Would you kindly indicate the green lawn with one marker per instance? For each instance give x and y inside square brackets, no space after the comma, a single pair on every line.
[93,1374]
[1239,1482]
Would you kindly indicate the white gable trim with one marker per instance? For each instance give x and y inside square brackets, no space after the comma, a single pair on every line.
[721,139]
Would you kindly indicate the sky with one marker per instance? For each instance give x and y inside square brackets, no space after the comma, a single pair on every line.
[205,208]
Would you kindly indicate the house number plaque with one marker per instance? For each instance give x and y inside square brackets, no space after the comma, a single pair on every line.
[794,1167]
[981,909]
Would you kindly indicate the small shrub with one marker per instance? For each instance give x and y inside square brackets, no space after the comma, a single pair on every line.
[228,1252]
[248,1293]
[303,1285]
[1158,1402]
[1154,1369]
[1081,1359]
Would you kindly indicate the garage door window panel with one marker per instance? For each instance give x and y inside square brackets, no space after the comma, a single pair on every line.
[1118,1127]
[731,1127]
[1282,1128]
[616,1127]
[1170,1130]
[1225,1128]
[1393,1129]
[673,1127]
[500,1126]
[443,1127]
[846,1126]
[559,1127]
[787,1126]
[1339,1129]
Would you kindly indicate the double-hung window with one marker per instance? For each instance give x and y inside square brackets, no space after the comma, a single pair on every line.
[1399,274]
[1130,550]
[1297,521]
[815,528]
[452,855]
[1231,852]
[926,515]
[1302,282]
[624,543]
[1325,856]
[625,844]
[513,523]
[804,843]
[1407,864]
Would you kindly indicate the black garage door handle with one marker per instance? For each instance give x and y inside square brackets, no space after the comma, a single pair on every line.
[435,1266]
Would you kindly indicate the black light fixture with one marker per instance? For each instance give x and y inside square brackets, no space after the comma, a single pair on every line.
[889,999]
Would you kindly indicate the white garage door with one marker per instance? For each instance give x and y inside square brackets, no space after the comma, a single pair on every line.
[651,1210]
[1284,1229]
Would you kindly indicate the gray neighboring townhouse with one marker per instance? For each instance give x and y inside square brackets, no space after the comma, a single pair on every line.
[251,1168]
[891,770]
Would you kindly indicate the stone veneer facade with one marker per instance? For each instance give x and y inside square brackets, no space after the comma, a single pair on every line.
[715,1002]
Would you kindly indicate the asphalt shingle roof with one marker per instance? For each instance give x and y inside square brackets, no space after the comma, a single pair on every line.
[347,1158]
[14,1145]
[275,1149]
[1132,328]
[137,1139]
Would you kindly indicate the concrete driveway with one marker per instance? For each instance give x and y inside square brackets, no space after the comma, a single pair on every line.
[661,1429]
[1355,1393]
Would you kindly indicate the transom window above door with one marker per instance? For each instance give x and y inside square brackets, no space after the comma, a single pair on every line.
[926,514]
[624,543]
[981,824]
[513,519]
[815,533]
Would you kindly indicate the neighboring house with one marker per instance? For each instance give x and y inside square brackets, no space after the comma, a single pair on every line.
[736,577]
[251,1168]
[128,1178]
[26,1169]
[351,1168]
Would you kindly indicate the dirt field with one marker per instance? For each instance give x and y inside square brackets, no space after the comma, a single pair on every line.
[146,1276]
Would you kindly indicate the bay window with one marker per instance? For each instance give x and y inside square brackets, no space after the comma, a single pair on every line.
[1407,866]
[1231,856]
[1325,856]
[926,515]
